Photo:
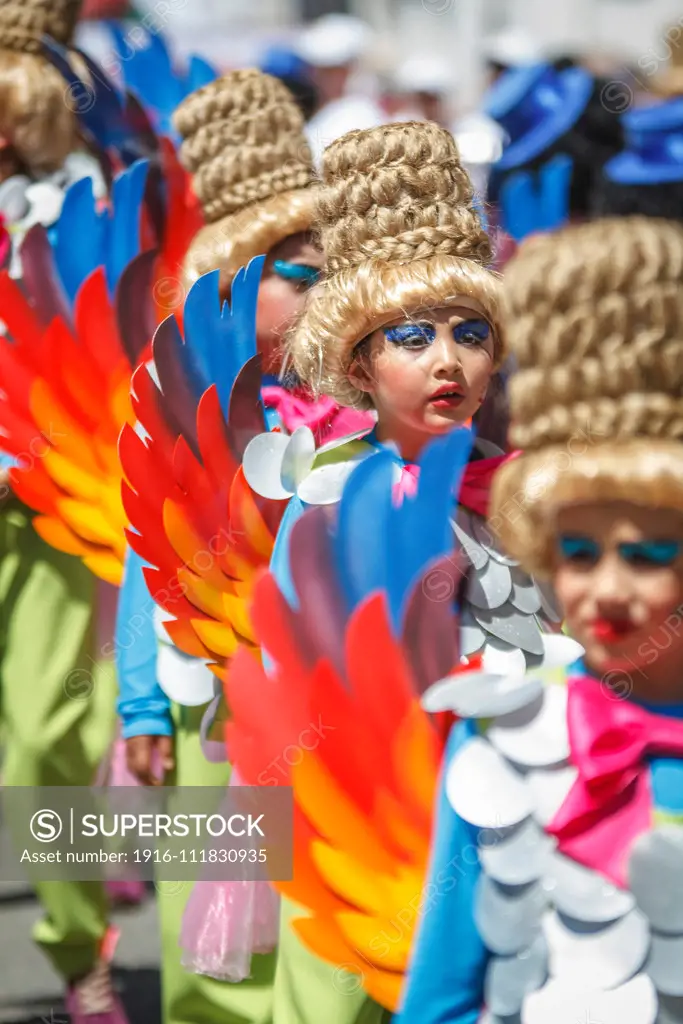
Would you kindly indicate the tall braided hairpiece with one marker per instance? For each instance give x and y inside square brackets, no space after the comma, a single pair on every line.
[399,232]
[244,143]
[594,319]
[35,116]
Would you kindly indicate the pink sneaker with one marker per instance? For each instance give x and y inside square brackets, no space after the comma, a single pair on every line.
[91,999]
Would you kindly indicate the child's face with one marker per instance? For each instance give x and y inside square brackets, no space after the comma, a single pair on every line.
[619,578]
[427,373]
[291,268]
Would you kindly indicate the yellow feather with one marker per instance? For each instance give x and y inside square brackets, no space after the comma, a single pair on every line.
[217,636]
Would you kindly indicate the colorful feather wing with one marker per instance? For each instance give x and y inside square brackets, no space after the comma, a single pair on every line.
[338,716]
[65,364]
[203,533]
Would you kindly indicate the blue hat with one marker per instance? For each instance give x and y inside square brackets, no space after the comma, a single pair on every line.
[653,153]
[535,106]
[281,62]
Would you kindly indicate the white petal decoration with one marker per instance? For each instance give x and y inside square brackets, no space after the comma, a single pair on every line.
[597,957]
[46,201]
[262,465]
[337,442]
[560,651]
[510,979]
[185,680]
[480,694]
[14,203]
[665,964]
[536,734]
[483,789]
[324,484]
[562,1003]
[655,872]
[297,458]
[489,587]
[519,858]
[508,920]
[584,894]
[549,788]
[503,659]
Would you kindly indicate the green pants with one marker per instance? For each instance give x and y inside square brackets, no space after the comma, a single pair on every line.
[195,998]
[310,991]
[57,709]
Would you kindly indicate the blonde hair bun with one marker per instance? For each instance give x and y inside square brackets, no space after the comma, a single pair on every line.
[23,23]
[244,143]
[594,318]
[400,233]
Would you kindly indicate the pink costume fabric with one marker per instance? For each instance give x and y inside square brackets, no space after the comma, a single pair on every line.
[610,804]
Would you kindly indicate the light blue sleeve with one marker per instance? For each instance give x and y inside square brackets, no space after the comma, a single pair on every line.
[144,708]
[445,983]
[279,561]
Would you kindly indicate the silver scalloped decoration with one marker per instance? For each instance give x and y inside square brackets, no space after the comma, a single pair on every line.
[507,624]
[490,587]
[472,636]
[670,1009]
[549,605]
[483,789]
[535,735]
[518,856]
[665,964]
[525,596]
[510,979]
[561,1002]
[473,551]
[508,919]
[549,788]
[655,872]
[596,957]
[584,894]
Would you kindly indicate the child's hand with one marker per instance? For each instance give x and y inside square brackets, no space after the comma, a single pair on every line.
[150,758]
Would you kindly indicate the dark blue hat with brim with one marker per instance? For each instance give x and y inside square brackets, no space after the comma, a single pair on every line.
[535,106]
[653,154]
[282,62]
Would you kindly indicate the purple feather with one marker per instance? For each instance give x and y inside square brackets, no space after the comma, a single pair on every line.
[40,277]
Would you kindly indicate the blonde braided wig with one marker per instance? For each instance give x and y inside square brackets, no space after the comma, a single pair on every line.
[244,143]
[36,118]
[594,318]
[400,234]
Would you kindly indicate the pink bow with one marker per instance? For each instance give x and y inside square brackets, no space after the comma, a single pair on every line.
[323,416]
[610,804]
[474,488]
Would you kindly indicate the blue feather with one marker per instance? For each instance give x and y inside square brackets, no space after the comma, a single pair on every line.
[109,239]
[222,339]
[380,546]
[148,71]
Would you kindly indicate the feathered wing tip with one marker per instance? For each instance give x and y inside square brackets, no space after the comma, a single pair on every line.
[338,716]
[108,237]
[182,219]
[536,201]
[150,74]
[194,520]
[114,128]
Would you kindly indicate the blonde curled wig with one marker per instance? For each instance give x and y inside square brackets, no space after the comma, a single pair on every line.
[400,234]
[36,118]
[244,143]
[594,318]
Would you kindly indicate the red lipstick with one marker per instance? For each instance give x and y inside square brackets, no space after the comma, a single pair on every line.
[447,396]
[611,630]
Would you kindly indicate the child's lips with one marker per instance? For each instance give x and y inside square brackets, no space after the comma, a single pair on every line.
[611,630]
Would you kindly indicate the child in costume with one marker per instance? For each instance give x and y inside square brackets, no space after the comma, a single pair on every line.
[405,321]
[53,735]
[561,805]
[243,140]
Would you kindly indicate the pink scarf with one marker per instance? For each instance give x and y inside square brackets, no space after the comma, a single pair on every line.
[323,416]
[474,488]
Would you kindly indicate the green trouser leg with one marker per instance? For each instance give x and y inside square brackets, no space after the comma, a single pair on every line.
[194,998]
[310,991]
[57,707]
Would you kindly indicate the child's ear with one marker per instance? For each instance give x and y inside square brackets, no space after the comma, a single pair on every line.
[361,376]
